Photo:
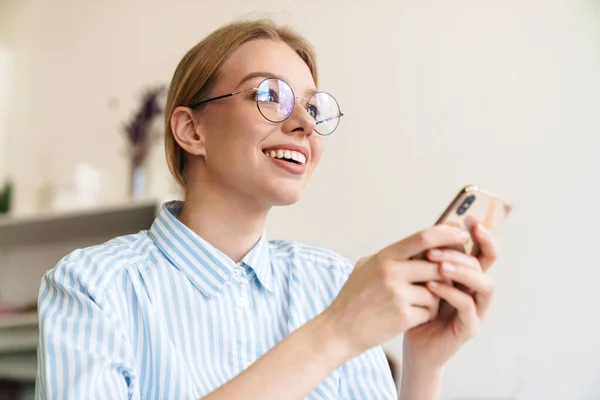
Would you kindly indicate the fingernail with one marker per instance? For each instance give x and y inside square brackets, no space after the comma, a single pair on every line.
[464,235]
[433,284]
[447,267]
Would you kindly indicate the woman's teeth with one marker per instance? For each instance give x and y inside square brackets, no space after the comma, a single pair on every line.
[287,155]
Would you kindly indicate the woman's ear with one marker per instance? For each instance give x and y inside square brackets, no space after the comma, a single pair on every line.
[188,131]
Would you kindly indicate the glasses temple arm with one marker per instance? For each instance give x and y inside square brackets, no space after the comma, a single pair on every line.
[341,114]
[222,97]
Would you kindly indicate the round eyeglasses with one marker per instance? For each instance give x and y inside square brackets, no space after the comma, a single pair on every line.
[275,100]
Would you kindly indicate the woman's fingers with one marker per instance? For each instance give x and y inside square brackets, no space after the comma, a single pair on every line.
[430,238]
[419,271]
[453,257]
[417,316]
[420,296]
[482,285]
[468,320]
[488,247]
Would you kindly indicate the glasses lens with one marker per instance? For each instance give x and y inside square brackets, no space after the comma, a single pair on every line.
[326,111]
[275,99]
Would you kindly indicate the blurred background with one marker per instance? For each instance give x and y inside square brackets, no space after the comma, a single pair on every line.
[436,94]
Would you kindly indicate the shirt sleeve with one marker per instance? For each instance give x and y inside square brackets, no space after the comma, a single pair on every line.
[82,352]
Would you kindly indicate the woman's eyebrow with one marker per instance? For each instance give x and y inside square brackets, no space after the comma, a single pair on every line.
[259,74]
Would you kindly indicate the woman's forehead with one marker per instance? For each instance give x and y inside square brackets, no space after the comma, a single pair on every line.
[261,58]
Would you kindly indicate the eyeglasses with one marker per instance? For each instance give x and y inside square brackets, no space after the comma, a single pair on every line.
[276,101]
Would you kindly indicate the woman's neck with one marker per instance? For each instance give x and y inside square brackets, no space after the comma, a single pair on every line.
[224,220]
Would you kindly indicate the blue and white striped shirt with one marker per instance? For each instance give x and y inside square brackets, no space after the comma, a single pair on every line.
[162,314]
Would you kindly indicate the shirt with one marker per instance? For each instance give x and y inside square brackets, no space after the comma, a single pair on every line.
[162,314]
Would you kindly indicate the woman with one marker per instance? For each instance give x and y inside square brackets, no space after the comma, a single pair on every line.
[202,305]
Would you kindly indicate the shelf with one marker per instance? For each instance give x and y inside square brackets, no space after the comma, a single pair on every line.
[52,227]
[18,333]
[9,220]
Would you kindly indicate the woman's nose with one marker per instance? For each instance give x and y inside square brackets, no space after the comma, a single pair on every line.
[300,120]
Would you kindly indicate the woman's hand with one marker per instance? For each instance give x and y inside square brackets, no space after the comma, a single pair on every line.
[385,294]
[428,346]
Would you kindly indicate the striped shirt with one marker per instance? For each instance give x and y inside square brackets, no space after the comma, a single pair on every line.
[162,314]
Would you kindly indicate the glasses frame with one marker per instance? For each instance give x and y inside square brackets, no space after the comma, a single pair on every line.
[255,89]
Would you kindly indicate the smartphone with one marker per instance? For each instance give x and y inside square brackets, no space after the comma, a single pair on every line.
[472,205]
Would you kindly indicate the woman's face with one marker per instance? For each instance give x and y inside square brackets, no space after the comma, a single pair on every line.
[239,141]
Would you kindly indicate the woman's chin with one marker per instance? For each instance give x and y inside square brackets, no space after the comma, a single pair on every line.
[285,197]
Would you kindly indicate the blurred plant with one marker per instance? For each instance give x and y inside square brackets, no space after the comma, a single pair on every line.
[141,136]
[139,130]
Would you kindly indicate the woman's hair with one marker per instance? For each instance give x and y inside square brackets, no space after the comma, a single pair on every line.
[199,70]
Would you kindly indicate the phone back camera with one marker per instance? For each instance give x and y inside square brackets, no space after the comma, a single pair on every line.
[464,206]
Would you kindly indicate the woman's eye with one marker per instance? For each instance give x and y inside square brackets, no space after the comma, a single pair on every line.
[269,97]
[313,111]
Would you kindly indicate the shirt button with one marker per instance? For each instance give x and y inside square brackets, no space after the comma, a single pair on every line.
[237,273]
[241,303]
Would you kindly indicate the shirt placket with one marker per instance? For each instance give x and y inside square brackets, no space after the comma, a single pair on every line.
[242,287]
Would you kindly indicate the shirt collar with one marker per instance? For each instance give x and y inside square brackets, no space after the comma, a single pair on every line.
[206,266]
[259,259]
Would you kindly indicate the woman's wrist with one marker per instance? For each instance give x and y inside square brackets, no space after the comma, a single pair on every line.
[418,383]
[326,332]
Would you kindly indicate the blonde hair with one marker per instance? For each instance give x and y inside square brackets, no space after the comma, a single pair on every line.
[199,69]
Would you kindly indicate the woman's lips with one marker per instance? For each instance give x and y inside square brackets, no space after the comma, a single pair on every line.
[296,169]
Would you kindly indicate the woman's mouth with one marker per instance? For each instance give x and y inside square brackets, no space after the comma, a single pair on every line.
[290,160]
[290,156]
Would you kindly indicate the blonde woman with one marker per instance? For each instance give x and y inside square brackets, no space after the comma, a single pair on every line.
[203,305]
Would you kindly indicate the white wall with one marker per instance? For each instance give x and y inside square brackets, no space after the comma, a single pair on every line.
[5,69]
[437,95]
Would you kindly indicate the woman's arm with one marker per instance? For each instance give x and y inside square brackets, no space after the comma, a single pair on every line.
[293,368]
[297,365]
[380,299]
[420,385]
